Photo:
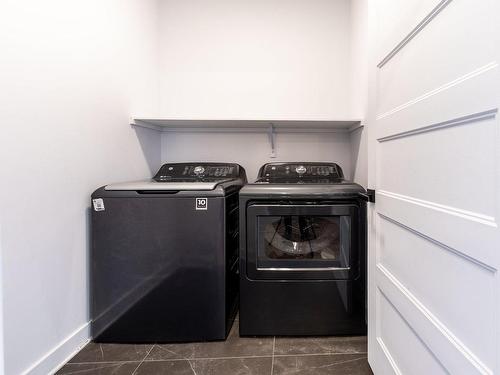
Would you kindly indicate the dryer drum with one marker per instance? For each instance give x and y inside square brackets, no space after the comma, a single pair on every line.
[302,237]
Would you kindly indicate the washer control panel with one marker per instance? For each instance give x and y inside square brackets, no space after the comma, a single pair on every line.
[301,170]
[190,171]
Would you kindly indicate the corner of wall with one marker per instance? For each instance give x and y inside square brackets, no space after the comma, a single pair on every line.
[163,147]
[52,361]
[150,141]
[2,363]
[359,156]
[359,89]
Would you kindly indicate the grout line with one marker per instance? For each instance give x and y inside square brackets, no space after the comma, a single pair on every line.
[255,356]
[317,354]
[146,356]
[222,358]
[96,363]
[102,366]
[272,359]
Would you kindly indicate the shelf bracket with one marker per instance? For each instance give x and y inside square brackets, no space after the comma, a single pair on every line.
[272,139]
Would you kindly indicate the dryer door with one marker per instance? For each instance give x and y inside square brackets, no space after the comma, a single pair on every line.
[303,241]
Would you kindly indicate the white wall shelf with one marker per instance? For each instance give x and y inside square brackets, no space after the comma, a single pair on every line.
[271,127]
[237,125]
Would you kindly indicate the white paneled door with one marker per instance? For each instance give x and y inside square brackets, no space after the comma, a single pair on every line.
[434,286]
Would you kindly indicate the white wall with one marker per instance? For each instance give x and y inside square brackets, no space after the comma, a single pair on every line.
[2,366]
[264,59]
[359,157]
[251,150]
[70,73]
[359,88]
[260,59]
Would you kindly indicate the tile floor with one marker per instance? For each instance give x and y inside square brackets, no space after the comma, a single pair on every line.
[235,356]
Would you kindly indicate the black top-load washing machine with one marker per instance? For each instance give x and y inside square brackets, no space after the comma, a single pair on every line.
[302,252]
[164,255]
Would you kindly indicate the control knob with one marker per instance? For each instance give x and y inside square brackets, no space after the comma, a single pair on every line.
[198,170]
[301,169]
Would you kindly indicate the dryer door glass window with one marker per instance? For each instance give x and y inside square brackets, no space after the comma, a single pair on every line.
[300,241]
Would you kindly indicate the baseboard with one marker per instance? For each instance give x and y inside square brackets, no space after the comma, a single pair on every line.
[60,354]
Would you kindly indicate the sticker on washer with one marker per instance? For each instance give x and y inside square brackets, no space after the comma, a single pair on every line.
[201,203]
[98,204]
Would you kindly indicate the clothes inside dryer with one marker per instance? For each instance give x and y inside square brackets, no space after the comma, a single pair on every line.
[302,237]
[303,242]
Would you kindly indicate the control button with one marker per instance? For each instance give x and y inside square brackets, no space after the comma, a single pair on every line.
[199,170]
[301,169]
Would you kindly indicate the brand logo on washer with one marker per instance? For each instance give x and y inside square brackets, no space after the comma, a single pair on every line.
[201,203]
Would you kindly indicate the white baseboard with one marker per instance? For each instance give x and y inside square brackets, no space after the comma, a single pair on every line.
[60,354]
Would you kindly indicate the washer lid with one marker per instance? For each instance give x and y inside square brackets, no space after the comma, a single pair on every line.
[302,190]
[152,185]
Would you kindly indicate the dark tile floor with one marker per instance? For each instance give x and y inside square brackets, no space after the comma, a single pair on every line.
[235,356]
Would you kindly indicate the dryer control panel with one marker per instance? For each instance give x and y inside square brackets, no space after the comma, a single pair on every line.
[204,171]
[301,170]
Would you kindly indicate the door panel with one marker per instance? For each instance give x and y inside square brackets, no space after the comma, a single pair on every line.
[447,157]
[457,229]
[397,338]
[458,289]
[434,289]
[396,17]
[435,56]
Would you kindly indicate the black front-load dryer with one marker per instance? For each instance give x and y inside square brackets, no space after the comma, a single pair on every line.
[302,252]
[164,255]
